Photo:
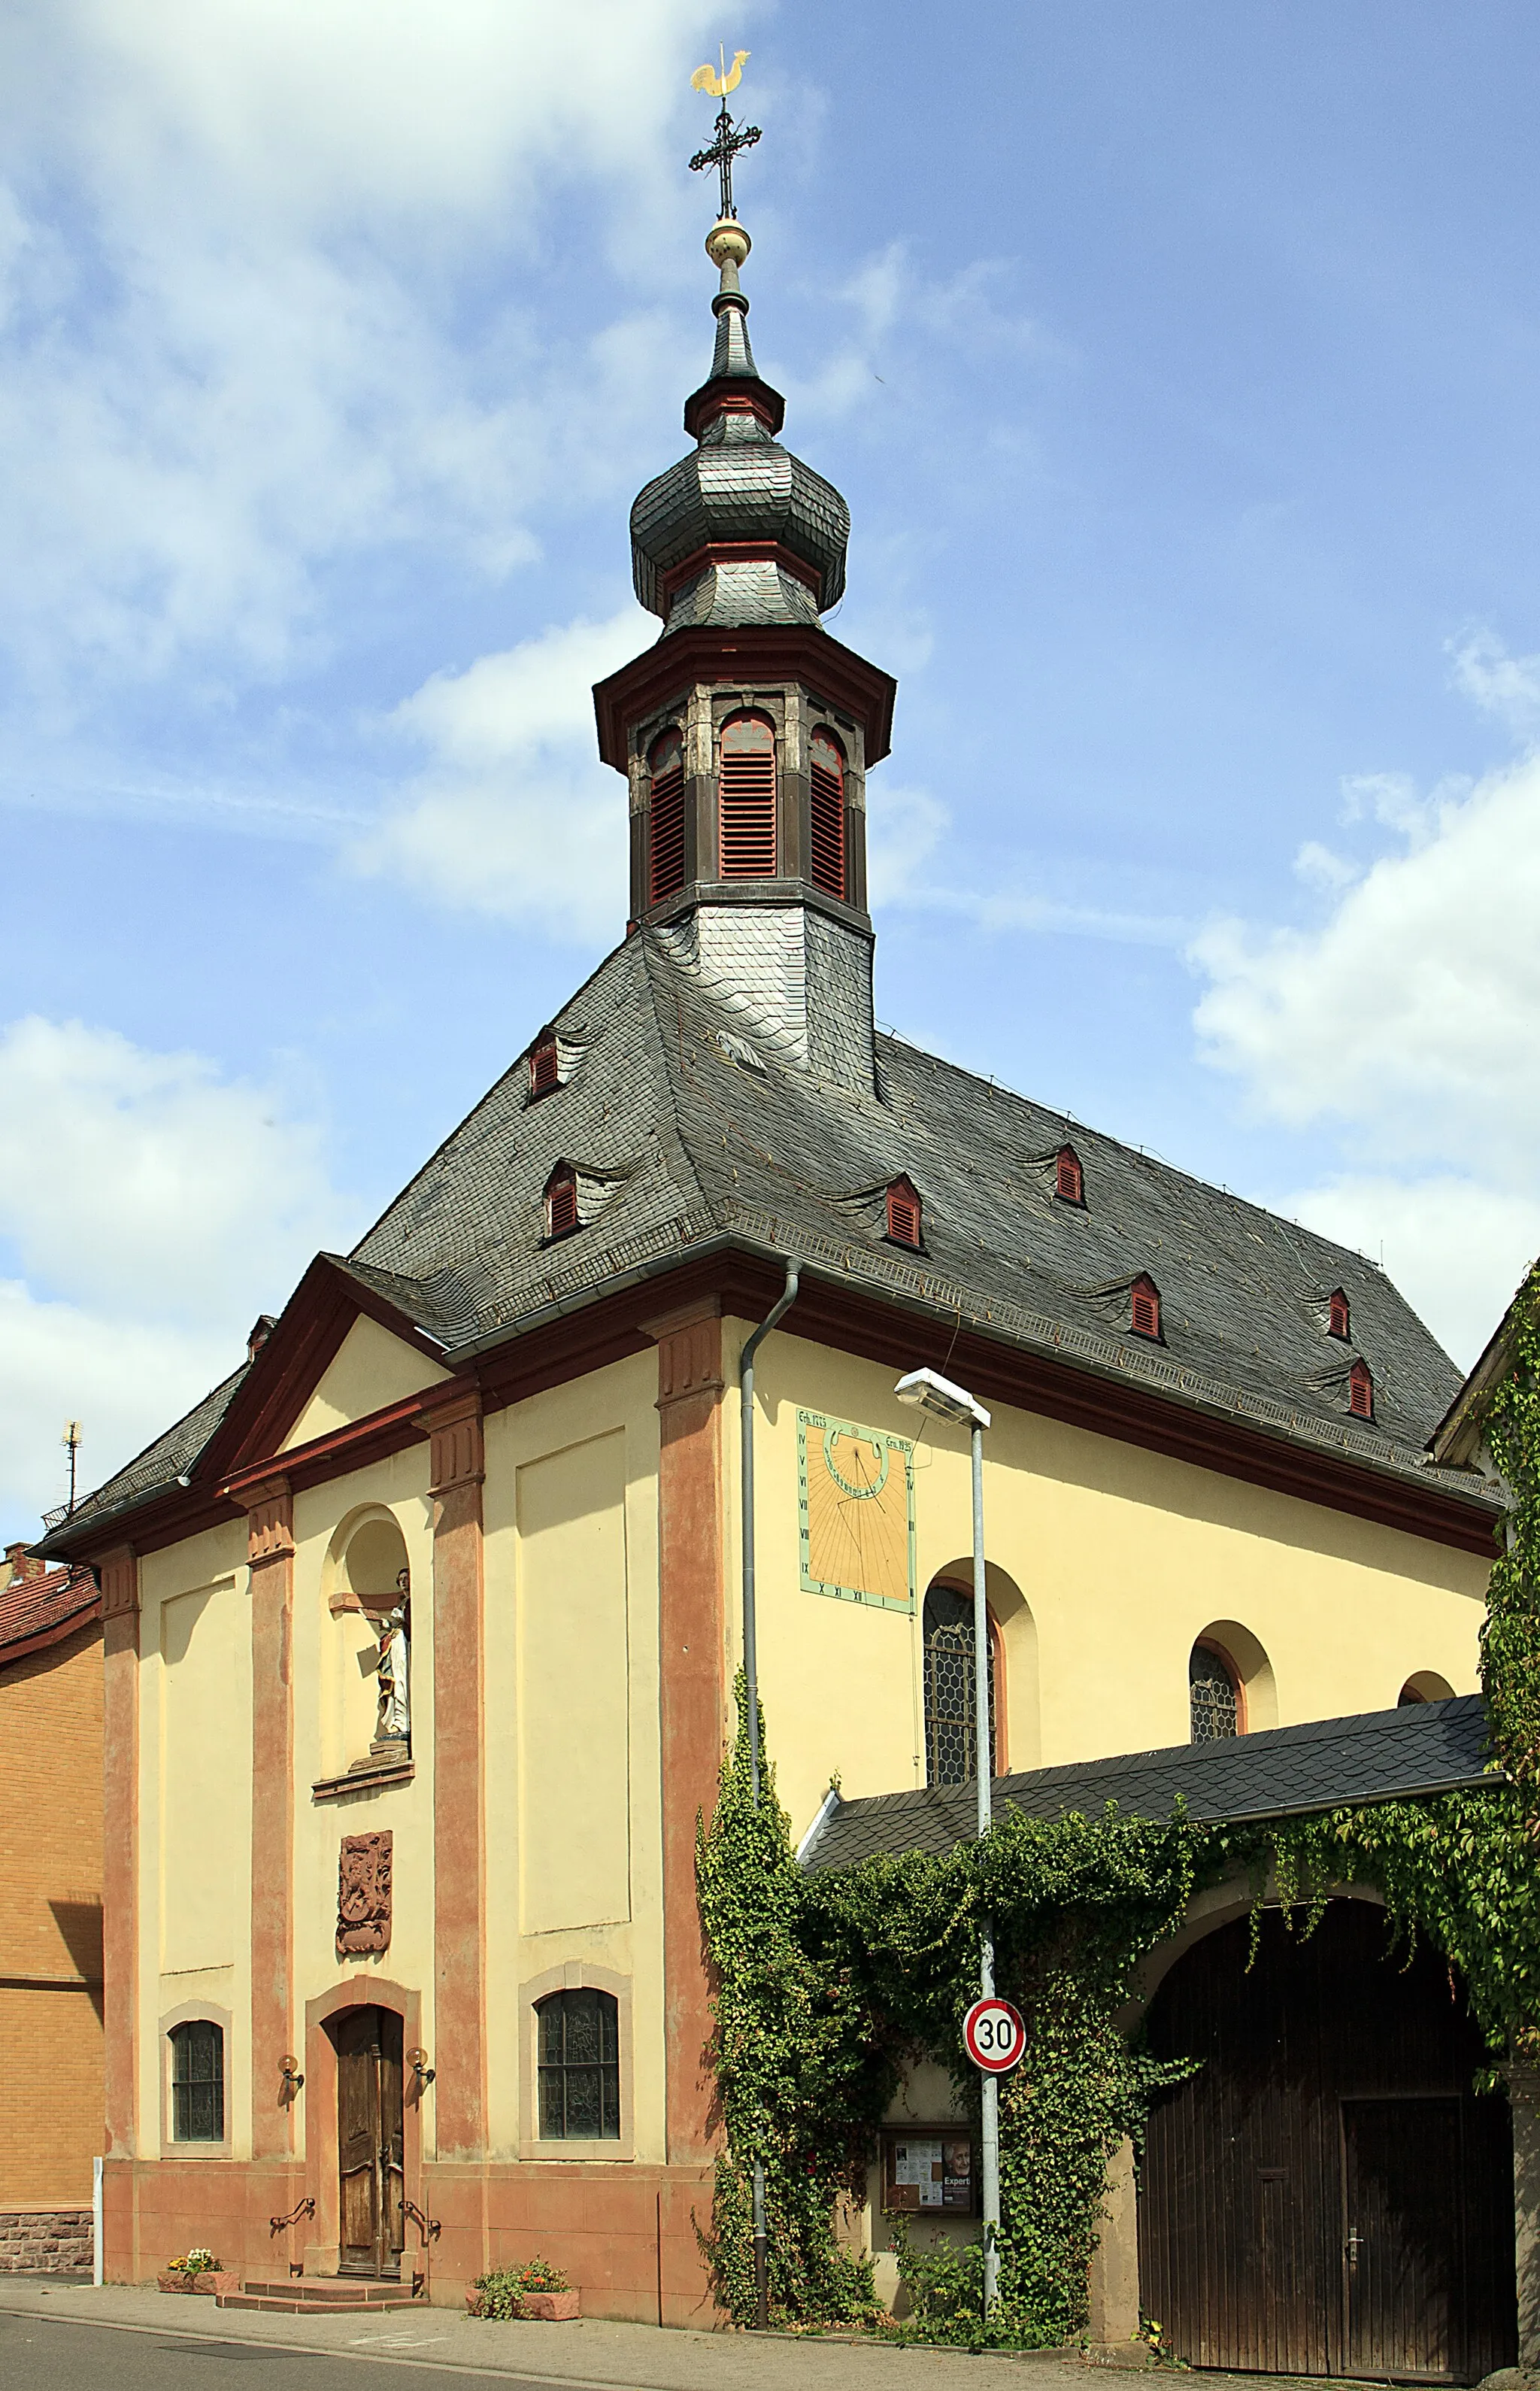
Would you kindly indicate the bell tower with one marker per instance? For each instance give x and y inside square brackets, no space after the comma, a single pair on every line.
[745,732]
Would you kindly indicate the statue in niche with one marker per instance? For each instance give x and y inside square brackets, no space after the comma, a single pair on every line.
[392,1664]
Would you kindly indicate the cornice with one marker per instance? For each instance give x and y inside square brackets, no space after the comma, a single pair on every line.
[681,660]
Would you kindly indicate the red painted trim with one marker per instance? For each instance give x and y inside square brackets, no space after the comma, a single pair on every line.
[734,395]
[751,657]
[741,551]
[56,1635]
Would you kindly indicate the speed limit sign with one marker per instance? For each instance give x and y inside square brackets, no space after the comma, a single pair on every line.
[994,2034]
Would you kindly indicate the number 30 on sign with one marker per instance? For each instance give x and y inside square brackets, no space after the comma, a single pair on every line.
[994,2034]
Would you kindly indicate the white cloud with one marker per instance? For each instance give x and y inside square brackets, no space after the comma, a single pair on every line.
[150,1209]
[513,815]
[1500,684]
[1455,1249]
[1414,1010]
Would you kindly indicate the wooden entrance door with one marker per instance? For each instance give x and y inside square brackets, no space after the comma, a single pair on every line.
[369,2142]
[1327,2194]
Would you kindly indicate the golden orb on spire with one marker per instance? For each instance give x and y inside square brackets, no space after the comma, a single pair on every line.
[727,243]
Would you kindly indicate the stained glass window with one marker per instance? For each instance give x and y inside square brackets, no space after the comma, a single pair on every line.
[1214,1704]
[580,2067]
[950,1744]
[197,2081]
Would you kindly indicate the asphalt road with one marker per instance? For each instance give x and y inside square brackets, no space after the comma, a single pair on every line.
[38,2354]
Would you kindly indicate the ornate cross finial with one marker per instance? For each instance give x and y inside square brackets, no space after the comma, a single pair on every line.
[718,82]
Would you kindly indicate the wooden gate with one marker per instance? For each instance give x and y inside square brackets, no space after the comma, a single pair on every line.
[1327,2195]
[369,2142]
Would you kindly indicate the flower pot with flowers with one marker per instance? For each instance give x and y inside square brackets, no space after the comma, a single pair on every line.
[198,2271]
[536,2291]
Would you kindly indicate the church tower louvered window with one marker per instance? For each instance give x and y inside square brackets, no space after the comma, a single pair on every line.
[827,814]
[747,798]
[666,766]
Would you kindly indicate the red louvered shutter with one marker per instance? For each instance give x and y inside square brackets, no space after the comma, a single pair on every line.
[561,1206]
[545,1068]
[747,799]
[1361,1392]
[665,871]
[1069,1182]
[827,814]
[1146,1297]
[1340,1323]
[902,1214]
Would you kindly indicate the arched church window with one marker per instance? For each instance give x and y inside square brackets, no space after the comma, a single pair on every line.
[579,2066]
[665,868]
[197,2081]
[951,1742]
[746,815]
[827,813]
[1213,1695]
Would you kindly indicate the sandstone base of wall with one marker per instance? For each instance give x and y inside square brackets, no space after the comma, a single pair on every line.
[45,2241]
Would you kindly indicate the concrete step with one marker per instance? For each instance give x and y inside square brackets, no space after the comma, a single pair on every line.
[324,2296]
[279,2304]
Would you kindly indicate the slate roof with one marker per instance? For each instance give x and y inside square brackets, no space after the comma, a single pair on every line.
[1280,1772]
[687,1123]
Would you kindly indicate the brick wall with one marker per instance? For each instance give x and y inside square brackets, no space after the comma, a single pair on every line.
[45,2241]
[50,1925]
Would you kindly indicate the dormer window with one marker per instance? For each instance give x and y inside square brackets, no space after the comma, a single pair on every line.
[545,1067]
[1145,1308]
[1069,1179]
[745,799]
[826,805]
[1360,1391]
[903,1214]
[561,1202]
[665,851]
[1339,1320]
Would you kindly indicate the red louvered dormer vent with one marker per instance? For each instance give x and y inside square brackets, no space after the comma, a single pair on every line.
[1338,1318]
[665,851]
[827,813]
[1145,1305]
[746,799]
[1068,1179]
[561,1204]
[903,1214]
[544,1068]
[1360,1391]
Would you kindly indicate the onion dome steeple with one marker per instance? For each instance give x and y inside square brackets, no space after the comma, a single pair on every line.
[746,734]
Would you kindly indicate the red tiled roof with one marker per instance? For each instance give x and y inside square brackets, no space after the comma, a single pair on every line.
[34,1609]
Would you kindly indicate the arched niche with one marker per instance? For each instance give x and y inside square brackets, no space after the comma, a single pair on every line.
[1249,1668]
[1019,1725]
[360,1580]
[1425,1686]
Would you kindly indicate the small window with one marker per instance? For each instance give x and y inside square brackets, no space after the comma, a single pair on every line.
[745,799]
[827,813]
[665,867]
[1360,1391]
[1145,1308]
[1338,1318]
[561,1204]
[197,2081]
[903,1214]
[580,2067]
[1427,1685]
[1068,1179]
[544,1068]
[951,1728]
[1213,1696]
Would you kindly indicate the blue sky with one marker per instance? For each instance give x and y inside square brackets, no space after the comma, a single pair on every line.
[1181,365]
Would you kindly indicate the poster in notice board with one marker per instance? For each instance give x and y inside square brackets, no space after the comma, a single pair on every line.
[929,2174]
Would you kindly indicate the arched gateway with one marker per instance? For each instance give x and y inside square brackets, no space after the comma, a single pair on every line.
[1327,2194]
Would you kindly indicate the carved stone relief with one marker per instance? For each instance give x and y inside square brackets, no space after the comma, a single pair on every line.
[364,1894]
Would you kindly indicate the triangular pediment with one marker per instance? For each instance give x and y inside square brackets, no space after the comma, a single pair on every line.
[370,1369]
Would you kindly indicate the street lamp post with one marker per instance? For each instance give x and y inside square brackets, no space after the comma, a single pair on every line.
[927,1391]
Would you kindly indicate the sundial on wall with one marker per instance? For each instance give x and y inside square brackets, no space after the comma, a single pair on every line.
[856,1489]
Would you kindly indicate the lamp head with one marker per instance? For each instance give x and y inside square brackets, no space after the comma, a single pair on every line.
[927,1390]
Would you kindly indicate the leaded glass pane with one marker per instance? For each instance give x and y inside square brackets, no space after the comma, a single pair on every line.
[1215,1710]
[950,1740]
[579,2068]
[197,2082]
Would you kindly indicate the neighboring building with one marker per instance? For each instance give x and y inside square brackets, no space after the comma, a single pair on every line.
[51,1915]
[420,1631]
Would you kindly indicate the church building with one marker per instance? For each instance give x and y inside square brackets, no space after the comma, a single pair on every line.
[421,1630]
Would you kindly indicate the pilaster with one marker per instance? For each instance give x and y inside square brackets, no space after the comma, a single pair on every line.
[457,1468]
[119,1585]
[693,1689]
[270,1562]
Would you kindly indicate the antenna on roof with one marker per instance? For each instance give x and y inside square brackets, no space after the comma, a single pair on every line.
[72,1440]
